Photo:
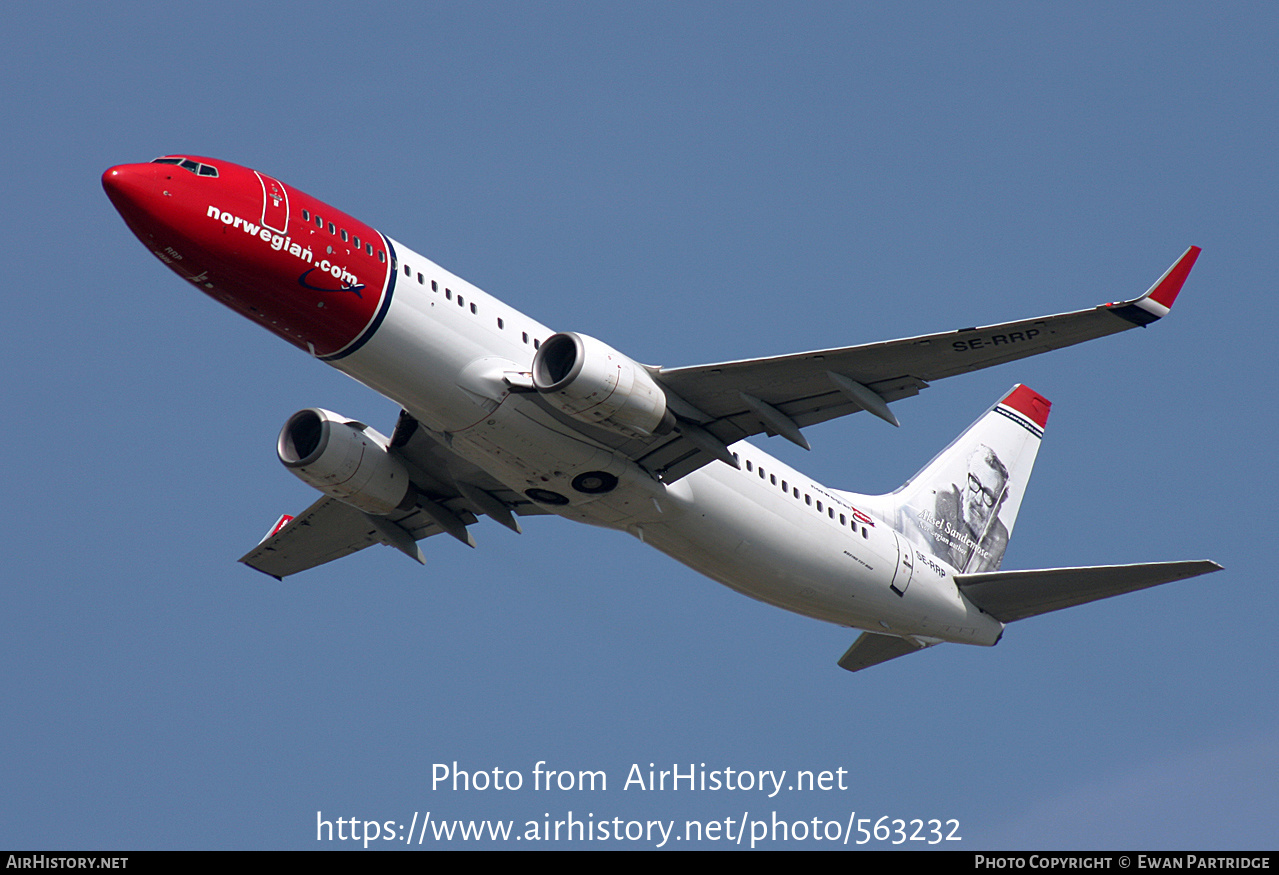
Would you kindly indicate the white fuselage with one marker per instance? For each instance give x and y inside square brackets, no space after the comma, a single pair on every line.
[763,529]
[576,428]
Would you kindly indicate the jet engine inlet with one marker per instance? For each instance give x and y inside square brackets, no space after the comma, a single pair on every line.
[592,382]
[345,460]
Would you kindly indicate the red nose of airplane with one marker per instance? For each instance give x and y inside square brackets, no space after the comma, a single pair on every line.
[133,188]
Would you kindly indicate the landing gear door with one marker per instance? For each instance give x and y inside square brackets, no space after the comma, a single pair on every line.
[905,566]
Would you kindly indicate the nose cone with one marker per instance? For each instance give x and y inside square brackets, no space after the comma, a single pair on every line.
[131,187]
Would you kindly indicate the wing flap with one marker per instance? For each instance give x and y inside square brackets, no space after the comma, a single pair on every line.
[1016,595]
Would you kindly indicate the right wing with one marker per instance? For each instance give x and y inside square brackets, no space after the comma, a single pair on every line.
[780,395]
[452,494]
[717,405]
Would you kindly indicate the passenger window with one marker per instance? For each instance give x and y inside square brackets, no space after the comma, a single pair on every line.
[499,322]
[473,310]
[332,228]
[407,271]
[419,279]
[344,237]
[306,215]
[434,286]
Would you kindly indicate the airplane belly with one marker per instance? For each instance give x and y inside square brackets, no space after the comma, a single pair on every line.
[763,553]
[417,361]
[775,553]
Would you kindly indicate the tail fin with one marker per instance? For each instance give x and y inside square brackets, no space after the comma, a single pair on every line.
[963,504]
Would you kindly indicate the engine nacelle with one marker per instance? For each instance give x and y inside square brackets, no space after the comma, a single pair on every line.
[345,460]
[591,381]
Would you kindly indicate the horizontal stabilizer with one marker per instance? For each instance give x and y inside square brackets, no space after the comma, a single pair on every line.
[1016,595]
[871,648]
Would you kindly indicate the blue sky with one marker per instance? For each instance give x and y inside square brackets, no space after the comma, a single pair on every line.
[691,183]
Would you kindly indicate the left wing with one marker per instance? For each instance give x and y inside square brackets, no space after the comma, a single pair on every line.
[452,494]
[780,395]
[329,530]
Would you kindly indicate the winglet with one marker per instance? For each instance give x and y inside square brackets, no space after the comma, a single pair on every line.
[283,521]
[1164,292]
[1159,298]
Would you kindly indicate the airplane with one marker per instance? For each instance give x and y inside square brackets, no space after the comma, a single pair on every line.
[503,417]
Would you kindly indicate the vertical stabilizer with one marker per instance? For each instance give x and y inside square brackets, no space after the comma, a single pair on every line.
[961,507]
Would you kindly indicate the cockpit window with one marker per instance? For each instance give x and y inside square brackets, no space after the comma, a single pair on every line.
[187,164]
